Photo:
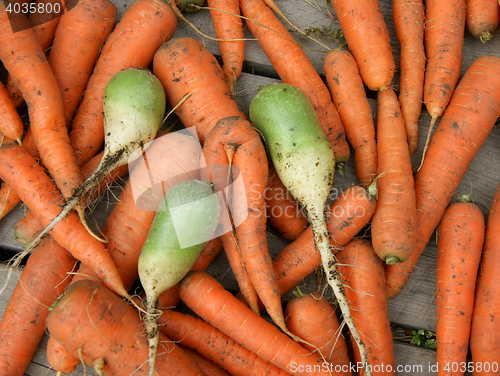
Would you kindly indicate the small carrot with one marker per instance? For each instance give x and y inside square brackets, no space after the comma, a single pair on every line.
[363,275]
[312,318]
[349,96]
[393,223]
[209,300]
[367,37]
[484,335]
[8,199]
[293,66]
[11,124]
[409,21]
[460,241]
[468,120]
[228,27]
[482,18]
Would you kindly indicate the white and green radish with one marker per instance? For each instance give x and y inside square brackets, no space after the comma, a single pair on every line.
[186,220]
[133,109]
[305,163]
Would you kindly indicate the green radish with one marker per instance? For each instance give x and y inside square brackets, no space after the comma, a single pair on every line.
[305,163]
[186,220]
[134,106]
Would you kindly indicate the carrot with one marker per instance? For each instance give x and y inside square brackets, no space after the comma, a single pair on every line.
[283,211]
[484,335]
[482,18]
[229,31]
[22,327]
[11,124]
[294,67]
[409,21]
[199,335]
[349,96]
[367,37]
[143,28]
[77,43]
[393,223]
[468,120]
[14,93]
[8,199]
[444,40]
[347,215]
[460,241]
[208,367]
[25,60]
[91,320]
[39,194]
[184,66]
[363,275]
[312,317]
[209,300]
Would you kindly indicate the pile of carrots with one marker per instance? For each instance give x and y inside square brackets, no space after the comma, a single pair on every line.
[79,288]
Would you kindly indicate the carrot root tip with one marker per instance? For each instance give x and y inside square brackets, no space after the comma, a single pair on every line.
[391,260]
[484,37]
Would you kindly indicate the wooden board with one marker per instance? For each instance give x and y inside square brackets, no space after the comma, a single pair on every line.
[415,306]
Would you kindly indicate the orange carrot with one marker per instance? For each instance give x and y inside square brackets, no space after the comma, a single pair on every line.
[460,241]
[14,93]
[45,19]
[209,300]
[77,43]
[349,96]
[8,199]
[11,124]
[208,367]
[229,29]
[294,67]
[367,37]
[484,335]
[184,66]
[347,215]
[482,18]
[409,21]
[199,335]
[393,223]
[313,318]
[92,321]
[143,28]
[363,275]
[465,126]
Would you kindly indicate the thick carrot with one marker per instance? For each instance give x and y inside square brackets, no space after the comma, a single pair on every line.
[22,327]
[143,28]
[25,60]
[184,66]
[484,335]
[409,21]
[349,96]
[77,43]
[393,223]
[482,18]
[367,37]
[199,335]
[293,66]
[39,194]
[470,116]
[347,215]
[229,30]
[91,320]
[11,124]
[208,367]
[209,300]
[363,275]
[460,241]
[313,318]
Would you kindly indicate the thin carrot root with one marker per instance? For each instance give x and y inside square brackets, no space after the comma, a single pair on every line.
[152,333]
[427,140]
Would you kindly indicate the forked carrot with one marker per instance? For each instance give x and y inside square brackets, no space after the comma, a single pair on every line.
[11,124]
[469,118]
[293,66]
[482,18]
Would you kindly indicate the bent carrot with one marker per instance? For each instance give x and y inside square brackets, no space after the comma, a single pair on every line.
[367,37]
[468,120]
[409,21]
[349,96]
[363,275]
[484,335]
[11,124]
[482,18]
[293,67]
[460,241]
[209,300]
[393,223]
